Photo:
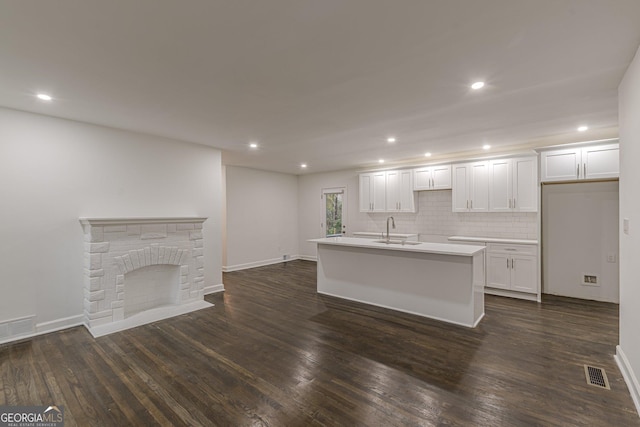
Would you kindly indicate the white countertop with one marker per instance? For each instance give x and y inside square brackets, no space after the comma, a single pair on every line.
[434,248]
[381,233]
[492,240]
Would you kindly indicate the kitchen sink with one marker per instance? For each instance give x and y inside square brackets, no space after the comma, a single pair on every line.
[398,242]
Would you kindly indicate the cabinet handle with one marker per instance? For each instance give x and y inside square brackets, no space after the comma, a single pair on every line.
[584,171]
[509,203]
[507,263]
[467,204]
[513,261]
[471,204]
[578,172]
[514,203]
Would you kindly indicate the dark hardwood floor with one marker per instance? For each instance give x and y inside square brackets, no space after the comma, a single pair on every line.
[273,352]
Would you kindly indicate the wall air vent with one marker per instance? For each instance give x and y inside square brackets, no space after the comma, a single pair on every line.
[590,279]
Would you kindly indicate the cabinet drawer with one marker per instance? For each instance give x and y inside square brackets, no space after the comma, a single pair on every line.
[512,249]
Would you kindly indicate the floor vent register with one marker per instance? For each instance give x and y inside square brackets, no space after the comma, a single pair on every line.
[596,377]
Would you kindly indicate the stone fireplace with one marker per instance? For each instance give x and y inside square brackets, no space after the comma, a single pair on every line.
[139,270]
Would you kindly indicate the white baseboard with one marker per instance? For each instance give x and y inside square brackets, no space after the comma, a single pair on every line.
[230,268]
[629,376]
[213,289]
[511,294]
[59,324]
[309,258]
[46,327]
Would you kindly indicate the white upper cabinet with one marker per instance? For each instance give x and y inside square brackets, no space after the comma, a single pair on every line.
[432,178]
[513,185]
[400,196]
[387,191]
[393,190]
[601,161]
[470,187]
[373,192]
[407,198]
[366,182]
[595,162]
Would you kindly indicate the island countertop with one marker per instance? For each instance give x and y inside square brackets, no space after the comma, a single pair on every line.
[424,247]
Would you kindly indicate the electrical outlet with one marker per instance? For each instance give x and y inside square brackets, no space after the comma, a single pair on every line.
[611,257]
[625,225]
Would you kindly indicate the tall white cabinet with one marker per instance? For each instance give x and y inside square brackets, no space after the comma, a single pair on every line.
[572,164]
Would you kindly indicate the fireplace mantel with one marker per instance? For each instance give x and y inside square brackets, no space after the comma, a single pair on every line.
[139,220]
[115,247]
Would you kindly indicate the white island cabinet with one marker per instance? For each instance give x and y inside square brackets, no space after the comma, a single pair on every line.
[441,281]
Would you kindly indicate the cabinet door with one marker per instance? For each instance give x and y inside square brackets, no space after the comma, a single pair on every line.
[524,277]
[561,165]
[498,270]
[441,177]
[601,162]
[500,186]
[366,185]
[422,179]
[378,192]
[525,184]
[393,191]
[479,187]
[405,191]
[460,192]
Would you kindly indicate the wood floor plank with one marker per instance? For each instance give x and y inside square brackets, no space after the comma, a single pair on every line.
[273,352]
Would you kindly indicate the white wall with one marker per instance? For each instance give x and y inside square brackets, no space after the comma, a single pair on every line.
[579,230]
[53,171]
[262,217]
[629,112]
[433,221]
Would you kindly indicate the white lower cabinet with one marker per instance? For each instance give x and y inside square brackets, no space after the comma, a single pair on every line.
[512,267]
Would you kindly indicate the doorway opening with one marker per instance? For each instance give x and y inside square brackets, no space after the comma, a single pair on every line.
[333,222]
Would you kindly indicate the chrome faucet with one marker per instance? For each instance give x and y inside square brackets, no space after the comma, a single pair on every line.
[393,224]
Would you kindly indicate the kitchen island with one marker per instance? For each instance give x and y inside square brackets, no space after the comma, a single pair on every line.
[437,280]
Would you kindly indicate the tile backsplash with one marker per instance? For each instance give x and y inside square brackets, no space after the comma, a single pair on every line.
[434,217]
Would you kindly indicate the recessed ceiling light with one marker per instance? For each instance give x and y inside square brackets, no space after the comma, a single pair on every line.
[391,140]
[381,161]
[427,154]
[44,97]
[253,145]
[303,165]
[486,146]
[477,85]
[583,128]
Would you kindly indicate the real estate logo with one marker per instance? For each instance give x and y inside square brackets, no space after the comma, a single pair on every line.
[31,416]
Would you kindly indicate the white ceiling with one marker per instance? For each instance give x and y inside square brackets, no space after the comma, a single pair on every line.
[323,81]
